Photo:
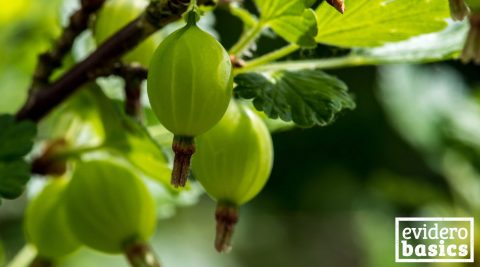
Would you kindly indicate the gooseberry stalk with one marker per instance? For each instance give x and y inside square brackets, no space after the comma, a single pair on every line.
[189,84]
[233,163]
[226,216]
[141,255]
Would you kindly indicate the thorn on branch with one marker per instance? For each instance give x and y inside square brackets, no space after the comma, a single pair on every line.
[237,62]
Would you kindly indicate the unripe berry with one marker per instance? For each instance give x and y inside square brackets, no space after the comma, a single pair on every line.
[108,207]
[233,163]
[46,224]
[189,87]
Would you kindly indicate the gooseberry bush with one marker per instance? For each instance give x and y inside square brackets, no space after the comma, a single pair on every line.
[112,158]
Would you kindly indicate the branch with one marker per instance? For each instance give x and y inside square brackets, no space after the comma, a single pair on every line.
[158,14]
[133,75]
[51,60]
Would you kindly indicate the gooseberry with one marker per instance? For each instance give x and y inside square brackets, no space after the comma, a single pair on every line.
[108,207]
[233,164]
[189,87]
[46,225]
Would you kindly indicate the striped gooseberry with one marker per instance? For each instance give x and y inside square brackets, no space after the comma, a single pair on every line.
[109,208]
[189,87]
[233,164]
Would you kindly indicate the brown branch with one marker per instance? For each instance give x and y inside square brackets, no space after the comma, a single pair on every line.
[158,14]
[133,75]
[51,60]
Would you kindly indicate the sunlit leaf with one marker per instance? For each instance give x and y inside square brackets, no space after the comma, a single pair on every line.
[293,20]
[368,23]
[437,46]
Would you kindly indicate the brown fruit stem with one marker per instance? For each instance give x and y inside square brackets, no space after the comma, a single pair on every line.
[338,5]
[141,255]
[226,216]
[184,147]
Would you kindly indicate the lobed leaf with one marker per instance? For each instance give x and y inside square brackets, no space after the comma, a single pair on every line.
[15,137]
[308,97]
[13,177]
[15,142]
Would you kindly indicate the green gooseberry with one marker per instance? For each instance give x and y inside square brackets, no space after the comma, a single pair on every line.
[108,207]
[46,225]
[233,164]
[190,84]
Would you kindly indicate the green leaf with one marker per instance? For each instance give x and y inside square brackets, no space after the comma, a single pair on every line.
[368,23]
[437,46]
[244,15]
[15,137]
[308,98]
[291,19]
[432,47]
[15,142]
[13,177]
[273,125]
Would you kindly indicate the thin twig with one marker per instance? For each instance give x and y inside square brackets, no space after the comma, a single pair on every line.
[158,14]
[52,59]
[133,75]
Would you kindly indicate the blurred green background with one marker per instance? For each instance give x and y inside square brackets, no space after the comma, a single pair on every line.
[411,148]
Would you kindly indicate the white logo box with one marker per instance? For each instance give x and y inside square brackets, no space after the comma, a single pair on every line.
[433,219]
